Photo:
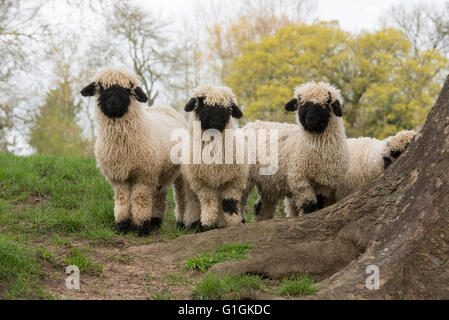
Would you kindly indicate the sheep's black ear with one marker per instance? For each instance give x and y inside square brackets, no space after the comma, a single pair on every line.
[292,105]
[190,105]
[140,95]
[336,106]
[89,90]
[236,112]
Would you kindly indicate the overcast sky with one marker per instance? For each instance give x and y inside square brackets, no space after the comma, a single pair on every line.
[353,15]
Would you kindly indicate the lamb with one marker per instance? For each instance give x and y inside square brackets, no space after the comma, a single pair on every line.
[133,151]
[313,154]
[216,186]
[369,158]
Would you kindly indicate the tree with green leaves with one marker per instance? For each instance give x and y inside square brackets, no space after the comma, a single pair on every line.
[55,130]
[386,85]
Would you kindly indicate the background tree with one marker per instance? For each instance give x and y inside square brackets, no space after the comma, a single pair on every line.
[426,25]
[20,27]
[386,87]
[55,130]
[249,21]
[141,38]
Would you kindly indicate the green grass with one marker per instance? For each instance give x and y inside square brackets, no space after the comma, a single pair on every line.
[161,296]
[237,287]
[230,287]
[48,201]
[226,253]
[81,259]
[297,285]
[19,270]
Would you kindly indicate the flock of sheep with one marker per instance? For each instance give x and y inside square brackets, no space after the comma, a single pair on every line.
[317,164]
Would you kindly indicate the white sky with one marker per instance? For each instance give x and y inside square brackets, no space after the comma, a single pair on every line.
[353,15]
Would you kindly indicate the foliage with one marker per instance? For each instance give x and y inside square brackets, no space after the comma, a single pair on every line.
[142,37]
[81,259]
[385,85]
[248,21]
[226,253]
[19,269]
[47,204]
[55,130]
[297,285]
[230,287]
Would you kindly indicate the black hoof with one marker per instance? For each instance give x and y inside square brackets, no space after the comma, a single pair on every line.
[124,226]
[321,201]
[156,223]
[148,227]
[208,228]
[194,226]
[180,225]
[309,207]
[243,220]
[229,206]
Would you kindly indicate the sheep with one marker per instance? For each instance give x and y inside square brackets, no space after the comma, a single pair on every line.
[313,154]
[216,187]
[133,151]
[369,158]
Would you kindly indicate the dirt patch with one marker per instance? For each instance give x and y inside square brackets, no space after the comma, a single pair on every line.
[32,201]
[126,275]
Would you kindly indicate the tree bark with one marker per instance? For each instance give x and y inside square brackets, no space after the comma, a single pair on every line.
[399,223]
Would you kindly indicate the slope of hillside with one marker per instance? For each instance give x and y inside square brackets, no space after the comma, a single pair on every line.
[56,212]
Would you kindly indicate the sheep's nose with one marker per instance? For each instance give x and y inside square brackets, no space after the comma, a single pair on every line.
[113,103]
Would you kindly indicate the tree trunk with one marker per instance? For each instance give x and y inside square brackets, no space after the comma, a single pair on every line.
[399,223]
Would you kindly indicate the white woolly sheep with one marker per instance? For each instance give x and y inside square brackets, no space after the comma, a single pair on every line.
[369,157]
[217,186]
[313,154]
[133,151]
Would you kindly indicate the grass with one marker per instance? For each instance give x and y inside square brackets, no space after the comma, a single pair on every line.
[230,287]
[81,259]
[237,287]
[226,253]
[161,296]
[53,202]
[20,271]
[54,210]
[297,285]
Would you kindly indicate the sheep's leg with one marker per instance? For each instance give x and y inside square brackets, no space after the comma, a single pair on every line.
[142,208]
[232,196]
[304,200]
[192,214]
[159,207]
[180,194]
[122,206]
[209,208]
[264,209]
[244,199]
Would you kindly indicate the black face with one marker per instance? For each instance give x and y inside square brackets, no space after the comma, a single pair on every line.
[395,153]
[114,101]
[314,117]
[213,117]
